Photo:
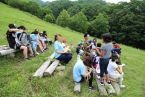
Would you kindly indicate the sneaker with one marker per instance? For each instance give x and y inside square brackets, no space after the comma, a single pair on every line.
[122,86]
[37,53]
[102,83]
[91,88]
[27,59]
[109,82]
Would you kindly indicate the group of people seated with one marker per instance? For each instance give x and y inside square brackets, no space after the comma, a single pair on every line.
[103,60]
[31,44]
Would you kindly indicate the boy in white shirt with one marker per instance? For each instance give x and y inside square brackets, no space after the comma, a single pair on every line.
[115,71]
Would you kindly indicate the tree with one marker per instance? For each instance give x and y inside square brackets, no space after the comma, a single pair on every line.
[49,18]
[79,22]
[100,25]
[63,19]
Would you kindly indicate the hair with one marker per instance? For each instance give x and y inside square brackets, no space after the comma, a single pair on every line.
[86,35]
[12,26]
[99,44]
[88,61]
[107,37]
[114,57]
[55,36]
[22,27]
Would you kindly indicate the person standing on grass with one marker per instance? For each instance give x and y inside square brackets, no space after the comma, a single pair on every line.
[61,53]
[105,54]
[83,70]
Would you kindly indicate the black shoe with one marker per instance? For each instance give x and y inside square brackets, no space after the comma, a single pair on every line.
[109,82]
[27,58]
[102,83]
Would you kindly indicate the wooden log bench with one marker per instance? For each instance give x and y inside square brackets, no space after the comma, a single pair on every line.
[108,89]
[41,70]
[51,68]
[77,87]
[6,50]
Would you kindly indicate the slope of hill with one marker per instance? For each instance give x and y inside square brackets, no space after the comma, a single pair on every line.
[16,74]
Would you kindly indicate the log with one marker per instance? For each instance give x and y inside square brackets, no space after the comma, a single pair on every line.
[109,88]
[116,88]
[77,87]
[40,71]
[60,68]
[7,52]
[101,88]
[51,68]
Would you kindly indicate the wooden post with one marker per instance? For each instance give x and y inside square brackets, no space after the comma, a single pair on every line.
[77,87]
[101,88]
[60,68]
[116,88]
[6,52]
[109,88]
[40,71]
[51,68]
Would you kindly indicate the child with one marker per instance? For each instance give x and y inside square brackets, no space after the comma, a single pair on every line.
[79,50]
[34,41]
[115,71]
[83,70]
[105,55]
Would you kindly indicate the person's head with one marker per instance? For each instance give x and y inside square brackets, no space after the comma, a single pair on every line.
[107,37]
[98,44]
[114,57]
[58,37]
[88,61]
[35,32]
[22,28]
[94,40]
[64,40]
[44,33]
[86,36]
[12,26]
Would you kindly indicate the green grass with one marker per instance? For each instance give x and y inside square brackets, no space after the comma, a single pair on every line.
[16,74]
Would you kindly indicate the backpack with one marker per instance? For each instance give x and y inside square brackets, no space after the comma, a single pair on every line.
[22,39]
[11,39]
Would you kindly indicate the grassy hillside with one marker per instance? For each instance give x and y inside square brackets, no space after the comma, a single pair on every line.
[16,74]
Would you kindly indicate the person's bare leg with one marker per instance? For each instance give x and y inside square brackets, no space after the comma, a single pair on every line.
[25,51]
[31,51]
[40,46]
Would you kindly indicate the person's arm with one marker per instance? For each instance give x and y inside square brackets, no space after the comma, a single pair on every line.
[15,30]
[118,69]
[101,53]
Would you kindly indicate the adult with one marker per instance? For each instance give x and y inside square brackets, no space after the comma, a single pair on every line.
[105,54]
[61,53]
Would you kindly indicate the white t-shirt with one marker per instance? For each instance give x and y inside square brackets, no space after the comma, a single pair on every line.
[112,66]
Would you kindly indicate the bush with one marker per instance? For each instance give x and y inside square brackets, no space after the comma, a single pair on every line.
[49,18]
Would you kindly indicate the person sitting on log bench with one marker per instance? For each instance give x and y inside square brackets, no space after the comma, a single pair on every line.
[61,53]
[10,35]
[115,71]
[83,70]
[22,42]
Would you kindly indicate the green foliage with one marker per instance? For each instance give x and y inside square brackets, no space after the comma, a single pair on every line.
[100,25]
[49,18]
[79,22]
[63,19]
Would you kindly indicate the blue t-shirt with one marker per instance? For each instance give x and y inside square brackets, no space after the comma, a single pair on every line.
[34,37]
[78,71]
[58,47]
